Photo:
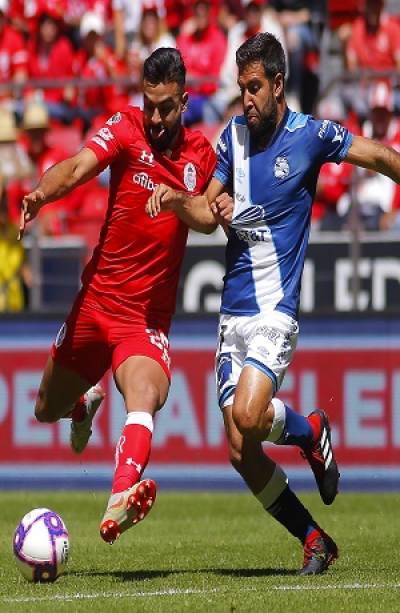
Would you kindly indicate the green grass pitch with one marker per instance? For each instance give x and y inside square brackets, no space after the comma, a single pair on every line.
[207,552]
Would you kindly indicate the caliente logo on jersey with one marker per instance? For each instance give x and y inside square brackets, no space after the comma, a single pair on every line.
[189,176]
[281,168]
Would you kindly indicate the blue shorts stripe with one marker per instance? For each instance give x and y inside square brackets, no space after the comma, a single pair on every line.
[260,366]
[225,394]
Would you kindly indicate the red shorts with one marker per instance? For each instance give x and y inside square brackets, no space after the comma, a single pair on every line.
[92,341]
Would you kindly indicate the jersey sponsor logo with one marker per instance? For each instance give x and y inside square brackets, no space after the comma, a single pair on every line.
[240,175]
[281,168]
[114,119]
[147,158]
[102,136]
[252,214]
[105,134]
[339,133]
[323,128]
[221,145]
[254,236]
[143,179]
[100,142]
[189,177]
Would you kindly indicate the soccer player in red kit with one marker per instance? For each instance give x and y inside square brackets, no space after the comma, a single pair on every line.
[122,314]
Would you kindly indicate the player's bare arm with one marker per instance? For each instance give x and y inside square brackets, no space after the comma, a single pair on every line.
[375,156]
[57,182]
[201,213]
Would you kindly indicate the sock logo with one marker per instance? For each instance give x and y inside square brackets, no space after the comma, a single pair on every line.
[119,449]
[131,462]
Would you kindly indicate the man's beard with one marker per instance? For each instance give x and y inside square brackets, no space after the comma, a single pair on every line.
[262,131]
[165,141]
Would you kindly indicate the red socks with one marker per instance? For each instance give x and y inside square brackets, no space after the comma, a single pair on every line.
[133,450]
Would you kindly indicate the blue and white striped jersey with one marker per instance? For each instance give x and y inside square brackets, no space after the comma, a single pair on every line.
[273,193]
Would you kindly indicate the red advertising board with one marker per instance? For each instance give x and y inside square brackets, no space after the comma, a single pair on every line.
[358,387]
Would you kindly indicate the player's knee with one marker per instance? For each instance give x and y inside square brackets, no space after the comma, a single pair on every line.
[248,423]
[142,394]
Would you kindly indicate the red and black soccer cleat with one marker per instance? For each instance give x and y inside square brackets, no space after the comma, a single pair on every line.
[321,458]
[320,551]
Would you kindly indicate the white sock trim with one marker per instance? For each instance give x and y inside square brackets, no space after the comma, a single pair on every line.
[140,417]
[278,423]
[274,488]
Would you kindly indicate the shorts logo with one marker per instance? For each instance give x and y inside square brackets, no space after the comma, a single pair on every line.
[281,168]
[160,340]
[61,335]
[189,177]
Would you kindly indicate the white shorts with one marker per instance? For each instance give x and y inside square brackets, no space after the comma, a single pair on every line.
[266,341]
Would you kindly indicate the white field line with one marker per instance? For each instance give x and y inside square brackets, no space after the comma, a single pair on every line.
[192,591]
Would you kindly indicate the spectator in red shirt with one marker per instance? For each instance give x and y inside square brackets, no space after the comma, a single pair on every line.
[375,193]
[334,179]
[51,57]
[41,157]
[375,40]
[13,55]
[96,61]
[203,51]
[374,45]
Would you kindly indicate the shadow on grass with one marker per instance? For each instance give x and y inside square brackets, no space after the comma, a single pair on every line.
[254,572]
[141,575]
[127,575]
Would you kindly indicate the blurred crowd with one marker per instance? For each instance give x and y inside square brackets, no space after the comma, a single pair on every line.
[67,65]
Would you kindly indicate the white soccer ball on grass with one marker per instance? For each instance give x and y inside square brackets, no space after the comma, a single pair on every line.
[41,545]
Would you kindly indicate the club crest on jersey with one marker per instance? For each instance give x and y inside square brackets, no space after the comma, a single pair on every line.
[147,158]
[281,168]
[189,177]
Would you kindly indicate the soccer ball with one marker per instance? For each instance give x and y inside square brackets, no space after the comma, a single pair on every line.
[41,545]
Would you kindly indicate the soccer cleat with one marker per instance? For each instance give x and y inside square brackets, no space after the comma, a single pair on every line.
[126,509]
[320,551]
[81,431]
[321,458]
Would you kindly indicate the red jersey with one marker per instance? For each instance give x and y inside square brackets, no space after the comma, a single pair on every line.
[379,50]
[56,65]
[203,58]
[135,266]
[13,55]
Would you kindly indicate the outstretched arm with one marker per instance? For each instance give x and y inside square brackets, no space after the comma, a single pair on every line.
[375,156]
[57,182]
[197,212]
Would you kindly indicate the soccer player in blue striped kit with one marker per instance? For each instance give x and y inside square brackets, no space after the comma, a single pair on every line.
[270,158]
